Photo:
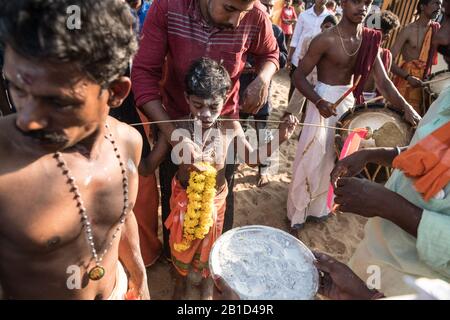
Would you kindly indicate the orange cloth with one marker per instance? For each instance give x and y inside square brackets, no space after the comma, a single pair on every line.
[415,68]
[197,255]
[428,162]
[146,212]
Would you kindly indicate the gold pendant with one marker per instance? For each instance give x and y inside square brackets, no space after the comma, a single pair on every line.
[96,273]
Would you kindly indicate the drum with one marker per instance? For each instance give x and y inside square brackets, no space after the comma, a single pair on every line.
[264,263]
[438,82]
[388,127]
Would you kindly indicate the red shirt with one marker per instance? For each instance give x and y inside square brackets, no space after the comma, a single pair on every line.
[175,34]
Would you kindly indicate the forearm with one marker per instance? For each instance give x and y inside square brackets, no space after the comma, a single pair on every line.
[398,71]
[390,92]
[129,250]
[402,213]
[155,112]
[303,85]
[382,156]
[267,71]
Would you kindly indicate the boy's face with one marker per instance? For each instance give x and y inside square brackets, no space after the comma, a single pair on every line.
[356,10]
[320,3]
[57,106]
[432,9]
[288,2]
[205,110]
[326,26]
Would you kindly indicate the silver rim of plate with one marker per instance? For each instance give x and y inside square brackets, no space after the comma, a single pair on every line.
[292,274]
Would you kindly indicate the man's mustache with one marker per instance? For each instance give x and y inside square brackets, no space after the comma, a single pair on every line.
[52,137]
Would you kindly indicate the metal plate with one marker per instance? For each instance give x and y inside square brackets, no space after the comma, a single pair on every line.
[438,87]
[264,263]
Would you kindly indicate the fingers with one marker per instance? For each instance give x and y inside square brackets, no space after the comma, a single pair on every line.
[338,172]
[324,262]
[221,284]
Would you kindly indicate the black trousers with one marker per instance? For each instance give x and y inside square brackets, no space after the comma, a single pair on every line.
[167,171]
[292,85]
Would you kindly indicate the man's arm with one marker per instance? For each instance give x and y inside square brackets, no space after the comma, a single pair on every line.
[370,199]
[315,52]
[129,249]
[396,50]
[148,65]
[390,92]
[266,53]
[130,256]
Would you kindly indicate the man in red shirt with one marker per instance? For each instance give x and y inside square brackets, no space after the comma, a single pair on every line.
[178,32]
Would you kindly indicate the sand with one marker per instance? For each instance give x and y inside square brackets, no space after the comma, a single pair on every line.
[337,236]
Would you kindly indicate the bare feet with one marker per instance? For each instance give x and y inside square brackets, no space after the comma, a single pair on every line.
[263,180]
[179,292]
[206,286]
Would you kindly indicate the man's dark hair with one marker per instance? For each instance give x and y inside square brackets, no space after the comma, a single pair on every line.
[389,21]
[207,79]
[330,19]
[420,4]
[101,48]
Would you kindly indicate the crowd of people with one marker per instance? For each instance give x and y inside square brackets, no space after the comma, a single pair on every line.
[79,195]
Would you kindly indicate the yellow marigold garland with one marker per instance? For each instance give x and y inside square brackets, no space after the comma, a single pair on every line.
[198,217]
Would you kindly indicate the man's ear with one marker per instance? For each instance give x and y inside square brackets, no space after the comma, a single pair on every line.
[118,91]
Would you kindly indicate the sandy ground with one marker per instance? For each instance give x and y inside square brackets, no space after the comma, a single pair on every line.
[338,236]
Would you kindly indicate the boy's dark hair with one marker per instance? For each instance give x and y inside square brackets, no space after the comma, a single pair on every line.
[420,4]
[389,21]
[40,30]
[331,4]
[330,19]
[206,79]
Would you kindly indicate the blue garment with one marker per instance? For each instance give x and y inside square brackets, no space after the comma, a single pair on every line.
[140,14]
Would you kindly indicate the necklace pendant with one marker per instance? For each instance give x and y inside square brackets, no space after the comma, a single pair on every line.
[96,273]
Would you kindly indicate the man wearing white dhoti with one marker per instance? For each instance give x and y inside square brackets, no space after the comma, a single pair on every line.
[315,155]
[343,53]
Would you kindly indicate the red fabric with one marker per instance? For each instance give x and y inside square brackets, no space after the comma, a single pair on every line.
[433,54]
[386,58]
[175,34]
[370,46]
[287,13]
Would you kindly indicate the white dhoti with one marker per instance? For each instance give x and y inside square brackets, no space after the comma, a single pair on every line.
[121,287]
[315,158]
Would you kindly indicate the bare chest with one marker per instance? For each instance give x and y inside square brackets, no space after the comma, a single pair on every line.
[38,208]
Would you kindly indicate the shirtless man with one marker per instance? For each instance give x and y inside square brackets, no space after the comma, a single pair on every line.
[339,53]
[65,200]
[414,45]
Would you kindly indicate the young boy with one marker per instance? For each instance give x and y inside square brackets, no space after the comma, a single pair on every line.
[207,84]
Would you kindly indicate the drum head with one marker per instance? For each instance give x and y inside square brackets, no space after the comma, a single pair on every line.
[264,263]
[387,125]
[439,86]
